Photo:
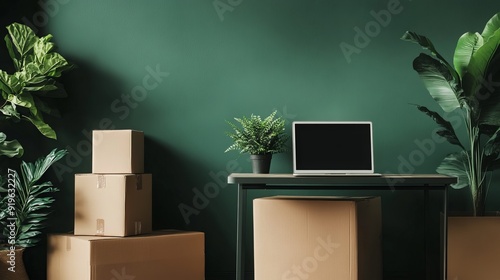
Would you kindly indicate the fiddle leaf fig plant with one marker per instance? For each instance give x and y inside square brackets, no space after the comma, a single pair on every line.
[472,86]
[26,92]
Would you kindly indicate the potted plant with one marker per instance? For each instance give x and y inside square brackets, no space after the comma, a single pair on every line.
[27,95]
[470,86]
[261,138]
[24,209]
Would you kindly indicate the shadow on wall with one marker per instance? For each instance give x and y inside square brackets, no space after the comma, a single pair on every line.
[171,178]
[90,93]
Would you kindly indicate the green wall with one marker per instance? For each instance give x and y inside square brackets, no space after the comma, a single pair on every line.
[178,69]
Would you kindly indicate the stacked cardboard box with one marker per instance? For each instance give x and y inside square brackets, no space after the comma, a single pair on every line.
[115,200]
[113,235]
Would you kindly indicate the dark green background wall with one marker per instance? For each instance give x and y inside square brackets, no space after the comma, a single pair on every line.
[215,60]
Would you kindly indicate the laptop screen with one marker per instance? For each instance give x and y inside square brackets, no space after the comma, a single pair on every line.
[332,147]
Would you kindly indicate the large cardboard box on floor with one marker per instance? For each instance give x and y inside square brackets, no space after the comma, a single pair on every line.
[317,238]
[157,256]
[113,204]
[117,151]
[473,248]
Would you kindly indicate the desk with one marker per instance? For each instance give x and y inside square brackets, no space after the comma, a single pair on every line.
[391,182]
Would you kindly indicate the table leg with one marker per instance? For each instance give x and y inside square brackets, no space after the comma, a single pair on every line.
[445,234]
[240,234]
[427,250]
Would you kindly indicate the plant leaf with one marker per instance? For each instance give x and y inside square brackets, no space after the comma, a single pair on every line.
[42,165]
[491,26]
[24,99]
[9,110]
[13,55]
[10,148]
[439,82]
[426,43]
[258,136]
[481,80]
[23,38]
[467,45]
[446,129]
[42,126]
[456,165]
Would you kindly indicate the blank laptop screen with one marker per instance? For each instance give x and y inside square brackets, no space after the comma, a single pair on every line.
[332,147]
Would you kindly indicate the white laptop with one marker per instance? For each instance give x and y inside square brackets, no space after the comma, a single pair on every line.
[332,148]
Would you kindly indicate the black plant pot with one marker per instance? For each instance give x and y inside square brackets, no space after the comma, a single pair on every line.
[261,164]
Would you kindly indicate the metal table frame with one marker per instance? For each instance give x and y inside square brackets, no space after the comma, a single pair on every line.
[250,181]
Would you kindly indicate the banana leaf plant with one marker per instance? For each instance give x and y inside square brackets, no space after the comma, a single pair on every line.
[25,204]
[472,86]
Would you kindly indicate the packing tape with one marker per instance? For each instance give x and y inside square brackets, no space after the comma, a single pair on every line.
[68,244]
[101,181]
[100,227]
[138,182]
[138,227]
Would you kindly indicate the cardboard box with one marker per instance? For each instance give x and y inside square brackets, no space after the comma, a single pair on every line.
[117,151]
[473,248]
[156,256]
[317,238]
[113,204]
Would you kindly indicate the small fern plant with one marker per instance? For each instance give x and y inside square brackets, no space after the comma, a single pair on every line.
[258,136]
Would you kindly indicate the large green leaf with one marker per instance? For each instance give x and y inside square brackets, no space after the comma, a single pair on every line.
[491,26]
[41,165]
[446,130]
[479,63]
[456,165]
[439,82]
[42,126]
[9,110]
[426,43]
[423,41]
[23,38]
[467,45]
[42,47]
[10,84]
[24,99]
[491,151]
[483,69]
[13,54]
[10,148]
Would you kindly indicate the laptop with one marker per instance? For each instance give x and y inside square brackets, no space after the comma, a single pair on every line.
[332,148]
